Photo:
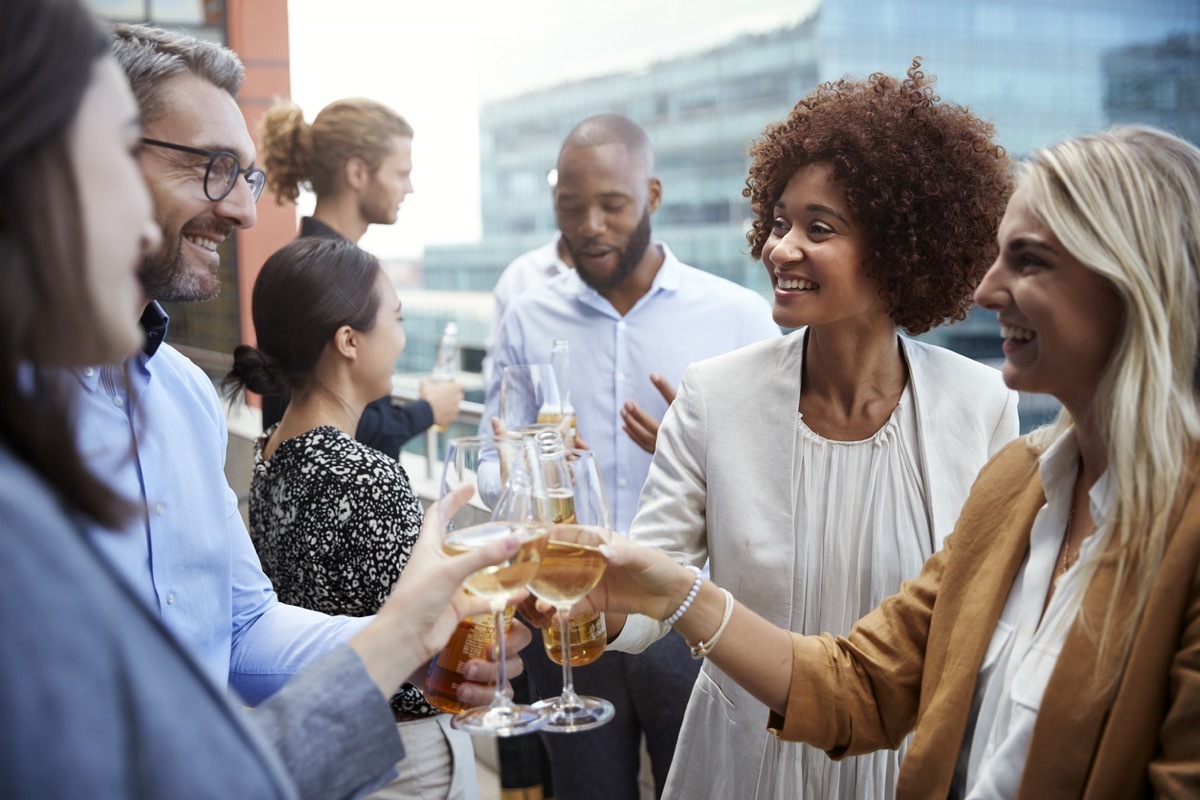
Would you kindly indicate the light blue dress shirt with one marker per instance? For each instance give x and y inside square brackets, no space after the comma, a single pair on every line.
[687,315]
[158,437]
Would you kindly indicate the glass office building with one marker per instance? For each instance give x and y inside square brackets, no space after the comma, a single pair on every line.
[1041,70]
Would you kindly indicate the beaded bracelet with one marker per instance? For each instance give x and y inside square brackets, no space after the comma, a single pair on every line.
[702,649]
[687,601]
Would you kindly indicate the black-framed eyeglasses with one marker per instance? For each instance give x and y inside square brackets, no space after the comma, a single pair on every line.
[222,172]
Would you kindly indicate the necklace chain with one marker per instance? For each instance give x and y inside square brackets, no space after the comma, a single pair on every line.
[1065,559]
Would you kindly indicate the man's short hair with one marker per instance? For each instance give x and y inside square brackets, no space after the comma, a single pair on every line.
[151,55]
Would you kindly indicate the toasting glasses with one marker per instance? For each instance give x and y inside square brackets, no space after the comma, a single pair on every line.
[519,511]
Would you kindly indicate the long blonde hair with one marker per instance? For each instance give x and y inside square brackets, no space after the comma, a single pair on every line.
[1126,203]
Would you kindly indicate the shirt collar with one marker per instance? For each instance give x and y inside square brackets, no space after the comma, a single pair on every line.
[311,226]
[154,323]
[1059,467]
[667,279]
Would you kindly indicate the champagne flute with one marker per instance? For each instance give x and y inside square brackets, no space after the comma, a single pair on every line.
[529,396]
[571,566]
[517,513]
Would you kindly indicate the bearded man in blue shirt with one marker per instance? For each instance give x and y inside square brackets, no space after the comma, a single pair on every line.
[636,318]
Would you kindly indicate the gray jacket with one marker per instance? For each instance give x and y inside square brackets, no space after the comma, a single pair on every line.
[98,700]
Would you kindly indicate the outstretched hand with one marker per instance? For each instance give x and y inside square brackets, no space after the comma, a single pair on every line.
[637,580]
[640,425]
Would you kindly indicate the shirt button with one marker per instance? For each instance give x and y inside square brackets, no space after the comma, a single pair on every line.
[620,376]
[170,598]
[621,482]
[158,509]
[118,402]
[89,372]
[620,324]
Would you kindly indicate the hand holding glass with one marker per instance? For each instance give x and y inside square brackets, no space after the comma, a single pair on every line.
[474,526]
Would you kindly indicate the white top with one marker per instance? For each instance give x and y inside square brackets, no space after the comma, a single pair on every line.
[523,273]
[862,528]
[1026,644]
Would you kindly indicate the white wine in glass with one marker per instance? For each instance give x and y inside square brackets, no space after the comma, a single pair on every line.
[500,582]
[519,512]
[571,566]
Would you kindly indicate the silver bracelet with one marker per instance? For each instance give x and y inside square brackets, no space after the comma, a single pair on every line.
[687,601]
[702,649]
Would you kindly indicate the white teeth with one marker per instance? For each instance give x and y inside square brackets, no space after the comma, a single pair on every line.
[1013,332]
[207,244]
[796,283]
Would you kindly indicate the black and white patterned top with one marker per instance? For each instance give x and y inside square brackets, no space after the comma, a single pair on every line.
[334,522]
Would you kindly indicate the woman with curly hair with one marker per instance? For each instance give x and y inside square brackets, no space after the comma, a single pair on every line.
[817,471]
[1051,648]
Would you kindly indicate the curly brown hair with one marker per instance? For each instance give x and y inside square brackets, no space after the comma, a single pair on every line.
[924,178]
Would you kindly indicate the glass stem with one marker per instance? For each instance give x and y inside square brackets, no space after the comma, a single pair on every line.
[568,697]
[500,700]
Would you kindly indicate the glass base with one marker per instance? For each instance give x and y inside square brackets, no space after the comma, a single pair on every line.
[582,715]
[502,721]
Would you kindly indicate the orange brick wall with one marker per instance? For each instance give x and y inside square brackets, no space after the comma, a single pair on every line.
[258,32]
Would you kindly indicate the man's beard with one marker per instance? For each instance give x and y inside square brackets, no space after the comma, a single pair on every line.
[630,255]
[166,276]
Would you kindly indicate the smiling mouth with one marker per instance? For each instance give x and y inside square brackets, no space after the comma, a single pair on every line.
[204,242]
[795,283]
[1016,334]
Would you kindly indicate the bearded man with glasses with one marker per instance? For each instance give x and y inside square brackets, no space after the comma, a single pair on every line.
[155,429]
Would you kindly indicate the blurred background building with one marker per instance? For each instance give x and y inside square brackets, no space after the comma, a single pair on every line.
[1041,69]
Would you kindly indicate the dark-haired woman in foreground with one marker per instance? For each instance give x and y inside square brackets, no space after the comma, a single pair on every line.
[97,698]
[817,471]
[334,520]
[1051,649]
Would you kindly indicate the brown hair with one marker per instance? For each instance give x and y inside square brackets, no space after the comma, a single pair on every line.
[923,177]
[304,293]
[48,52]
[297,154]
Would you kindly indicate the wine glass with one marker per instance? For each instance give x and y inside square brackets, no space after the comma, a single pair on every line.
[529,396]
[519,512]
[571,566]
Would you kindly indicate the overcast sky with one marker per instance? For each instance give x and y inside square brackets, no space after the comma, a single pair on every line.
[435,61]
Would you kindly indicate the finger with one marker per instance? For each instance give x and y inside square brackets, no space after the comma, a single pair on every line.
[498,429]
[529,611]
[518,638]
[633,414]
[473,694]
[638,439]
[664,387]
[449,505]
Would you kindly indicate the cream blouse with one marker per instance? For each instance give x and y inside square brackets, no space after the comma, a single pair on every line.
[862,528]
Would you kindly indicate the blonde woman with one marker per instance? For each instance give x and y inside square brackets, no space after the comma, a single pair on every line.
[1052,648]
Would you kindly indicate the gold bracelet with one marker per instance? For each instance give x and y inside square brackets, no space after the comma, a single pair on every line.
[702,649]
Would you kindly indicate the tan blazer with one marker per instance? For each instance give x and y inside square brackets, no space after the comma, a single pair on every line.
[915,660]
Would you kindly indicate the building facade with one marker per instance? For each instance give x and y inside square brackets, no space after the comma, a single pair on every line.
[1042,70]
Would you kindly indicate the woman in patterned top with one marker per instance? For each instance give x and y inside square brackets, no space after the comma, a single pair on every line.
[334,520]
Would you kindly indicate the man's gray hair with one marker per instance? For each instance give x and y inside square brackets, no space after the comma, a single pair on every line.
[151,55]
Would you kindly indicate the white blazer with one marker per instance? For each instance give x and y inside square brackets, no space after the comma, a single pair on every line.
[721,487]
